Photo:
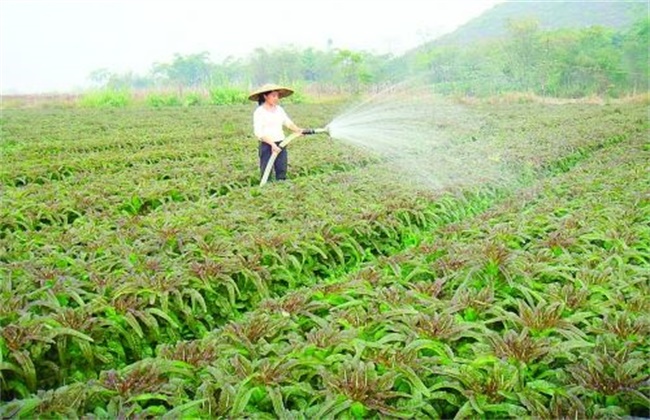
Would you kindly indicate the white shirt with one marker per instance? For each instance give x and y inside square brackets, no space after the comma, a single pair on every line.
[269,123]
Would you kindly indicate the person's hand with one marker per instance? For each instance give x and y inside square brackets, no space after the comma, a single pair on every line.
[275,149]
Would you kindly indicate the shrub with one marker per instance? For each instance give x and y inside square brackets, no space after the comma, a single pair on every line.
[193,99]
[106,98]
[157,100]
[226,95]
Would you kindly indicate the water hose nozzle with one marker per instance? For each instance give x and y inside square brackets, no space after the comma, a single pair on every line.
[308,131]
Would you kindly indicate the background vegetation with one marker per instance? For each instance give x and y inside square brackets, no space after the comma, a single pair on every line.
[555,49]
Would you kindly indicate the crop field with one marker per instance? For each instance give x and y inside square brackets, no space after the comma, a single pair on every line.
[144,273]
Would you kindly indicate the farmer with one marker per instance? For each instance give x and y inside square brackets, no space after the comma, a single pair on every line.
[268,120]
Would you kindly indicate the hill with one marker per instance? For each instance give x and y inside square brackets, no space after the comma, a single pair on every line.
[550,15]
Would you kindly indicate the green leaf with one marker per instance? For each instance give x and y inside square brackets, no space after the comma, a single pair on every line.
[134,324]
[10,367]
[187,410]
[148,397]
[331,408]
[543,386]
[163,315]
[69,331]
[467,411]
[28,406]
[278,405]
[358,410]
[415,381]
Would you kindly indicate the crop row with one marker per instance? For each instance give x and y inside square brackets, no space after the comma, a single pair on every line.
[106,188]
[537,307]
[80,149]
[100,289]
[78,132]
[180,273]
[112,196]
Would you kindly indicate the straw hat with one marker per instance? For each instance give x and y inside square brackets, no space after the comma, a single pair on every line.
[270,87]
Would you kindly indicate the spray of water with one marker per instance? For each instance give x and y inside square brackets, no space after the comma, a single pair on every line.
[426,138]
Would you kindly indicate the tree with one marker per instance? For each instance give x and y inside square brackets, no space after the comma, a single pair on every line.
[100,76]
[522,51]
[636,45]
[186,71]
[352,69]
[261,66]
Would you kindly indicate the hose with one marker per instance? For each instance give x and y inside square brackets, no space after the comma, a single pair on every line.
[285,142]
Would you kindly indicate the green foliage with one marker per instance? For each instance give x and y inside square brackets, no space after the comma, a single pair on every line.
[106,99]
[298,96]
[515,47]
[144,273]
[226,95]
[636,54]
[353,70]
[561,63]
[557,49]
[190,71]
[156,100]
[192,99]
[493,23]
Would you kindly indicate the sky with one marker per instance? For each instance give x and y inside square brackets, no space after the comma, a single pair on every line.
[49,46]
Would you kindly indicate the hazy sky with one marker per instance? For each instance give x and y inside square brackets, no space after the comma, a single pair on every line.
[53,45]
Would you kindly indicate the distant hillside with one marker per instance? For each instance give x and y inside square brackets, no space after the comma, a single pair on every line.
[559,56]
[550,15]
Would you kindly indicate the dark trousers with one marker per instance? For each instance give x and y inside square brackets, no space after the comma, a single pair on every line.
[280,165]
